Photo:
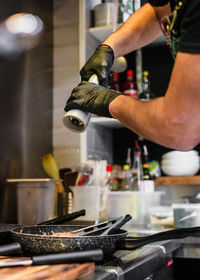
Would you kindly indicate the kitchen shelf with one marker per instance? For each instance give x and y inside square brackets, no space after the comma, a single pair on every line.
[178,180]
[107,122]
[102,32]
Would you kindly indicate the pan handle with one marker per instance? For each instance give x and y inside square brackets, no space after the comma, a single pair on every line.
[117,225]
[9,249]
[131,243]
[66,218]
[72,257]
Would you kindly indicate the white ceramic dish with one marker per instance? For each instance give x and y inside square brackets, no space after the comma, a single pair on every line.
[190,160]
[180,170]
[179,154]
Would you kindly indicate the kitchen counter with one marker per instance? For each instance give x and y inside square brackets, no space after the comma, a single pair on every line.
[139,264]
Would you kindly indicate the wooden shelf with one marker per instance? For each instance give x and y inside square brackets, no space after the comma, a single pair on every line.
[178,180]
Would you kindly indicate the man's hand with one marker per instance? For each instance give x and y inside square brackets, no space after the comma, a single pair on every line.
[91,98]
[99,63]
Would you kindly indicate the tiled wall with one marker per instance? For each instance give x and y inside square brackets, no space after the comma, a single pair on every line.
[66,76]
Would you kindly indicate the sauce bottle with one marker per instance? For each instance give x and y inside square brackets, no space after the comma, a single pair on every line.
[115,85]
[130,86]
[146,93]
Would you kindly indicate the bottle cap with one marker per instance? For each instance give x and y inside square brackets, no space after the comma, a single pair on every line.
[115,74]
[109,168]
[130,72]
[126,167]
[145,165]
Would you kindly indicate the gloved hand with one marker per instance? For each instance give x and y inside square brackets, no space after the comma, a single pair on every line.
[99,63]
[91,98]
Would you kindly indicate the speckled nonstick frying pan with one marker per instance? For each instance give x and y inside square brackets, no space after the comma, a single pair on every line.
[39,240]
[5,235]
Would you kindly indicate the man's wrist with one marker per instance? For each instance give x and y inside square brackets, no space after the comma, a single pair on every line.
[114,106]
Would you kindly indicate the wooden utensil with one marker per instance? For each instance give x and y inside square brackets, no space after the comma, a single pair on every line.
[48,272]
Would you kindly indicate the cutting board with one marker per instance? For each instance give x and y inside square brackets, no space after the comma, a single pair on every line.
[46,272]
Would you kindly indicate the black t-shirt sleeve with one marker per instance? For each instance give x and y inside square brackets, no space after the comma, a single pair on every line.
[190,27]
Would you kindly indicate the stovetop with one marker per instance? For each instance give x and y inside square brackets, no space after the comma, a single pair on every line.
[125,264]
[139,263]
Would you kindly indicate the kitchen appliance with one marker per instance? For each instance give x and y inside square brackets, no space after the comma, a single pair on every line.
[77,120]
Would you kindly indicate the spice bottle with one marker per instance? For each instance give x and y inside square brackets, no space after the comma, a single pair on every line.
[146,93]
[137,167]
[115,85]
[130,86]
[147,183]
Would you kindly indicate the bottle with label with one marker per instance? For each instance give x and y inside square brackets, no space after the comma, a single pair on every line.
[127,178]
[128,158]
[146,93]
[110,180]
[115,85]
[137,167]
[147,183]
[130,86]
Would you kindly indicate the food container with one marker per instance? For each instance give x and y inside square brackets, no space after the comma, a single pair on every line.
[186,214]
[104,14]
[35,200]
[137,204]
[90,198]
[161,217]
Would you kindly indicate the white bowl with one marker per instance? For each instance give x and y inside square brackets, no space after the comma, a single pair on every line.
[179,154]
[177,161]
[180,170]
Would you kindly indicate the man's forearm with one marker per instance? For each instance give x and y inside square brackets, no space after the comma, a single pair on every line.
[140,29]
[154,120]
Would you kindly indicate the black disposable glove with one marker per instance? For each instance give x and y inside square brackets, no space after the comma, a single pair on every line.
[99,63]
[91,98]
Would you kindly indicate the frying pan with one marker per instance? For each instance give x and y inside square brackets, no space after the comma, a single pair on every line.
[39,240]
[5,235]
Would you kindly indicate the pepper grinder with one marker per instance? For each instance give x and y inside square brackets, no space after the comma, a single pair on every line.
[77,120]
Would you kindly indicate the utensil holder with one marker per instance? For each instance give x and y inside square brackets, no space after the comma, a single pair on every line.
[64,203]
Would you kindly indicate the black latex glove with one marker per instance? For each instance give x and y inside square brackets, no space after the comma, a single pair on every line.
[99,63]
[91,98]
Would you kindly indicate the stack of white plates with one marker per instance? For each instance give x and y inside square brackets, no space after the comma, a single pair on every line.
[177,163]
